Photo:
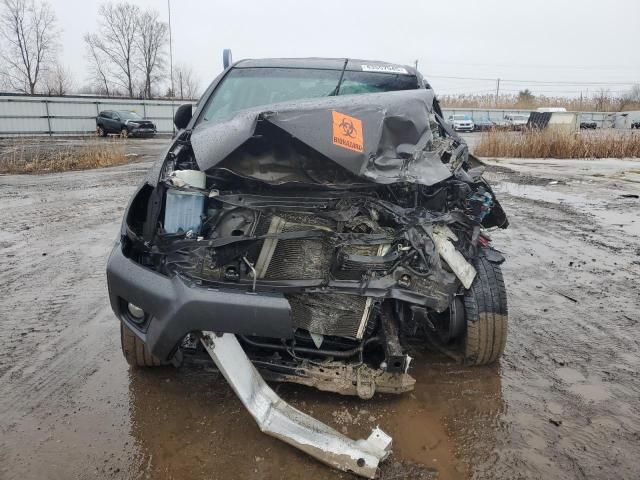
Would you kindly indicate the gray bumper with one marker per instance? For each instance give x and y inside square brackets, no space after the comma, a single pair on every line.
[176,308]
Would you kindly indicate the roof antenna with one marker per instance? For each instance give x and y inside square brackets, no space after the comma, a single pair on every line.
[227,58]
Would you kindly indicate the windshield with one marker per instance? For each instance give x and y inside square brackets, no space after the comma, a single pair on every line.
[129,115]
[460,117]
[251,87]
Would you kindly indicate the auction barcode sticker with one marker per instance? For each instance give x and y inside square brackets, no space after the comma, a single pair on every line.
[384,69]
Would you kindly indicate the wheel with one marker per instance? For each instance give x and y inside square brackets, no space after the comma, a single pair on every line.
[134,351]
[486,315]
[100,132]
[124,133]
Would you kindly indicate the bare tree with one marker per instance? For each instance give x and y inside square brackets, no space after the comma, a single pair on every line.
[59,80]
[630,98]
[602,99]
[185,83]
[115,42]
[29,33]
[97,66]
[151,42]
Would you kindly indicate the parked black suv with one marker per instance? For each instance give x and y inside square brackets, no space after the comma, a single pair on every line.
[125,123]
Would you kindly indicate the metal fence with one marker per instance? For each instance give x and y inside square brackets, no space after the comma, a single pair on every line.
[43,115]
[75,115]
[602,119]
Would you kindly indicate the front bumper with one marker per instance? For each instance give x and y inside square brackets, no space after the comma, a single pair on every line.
[142,132]
[175,307]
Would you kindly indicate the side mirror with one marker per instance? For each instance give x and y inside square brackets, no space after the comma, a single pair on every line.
[182,116]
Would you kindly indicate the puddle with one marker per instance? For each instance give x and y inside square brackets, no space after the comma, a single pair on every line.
[596,206]
[593,393]
[541,193]
[569,375]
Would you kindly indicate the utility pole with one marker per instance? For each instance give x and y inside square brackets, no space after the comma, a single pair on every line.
[416,63]
[173,93]
[580,100]
[497,91]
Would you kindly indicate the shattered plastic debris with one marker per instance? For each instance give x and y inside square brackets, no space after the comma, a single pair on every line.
[442,236]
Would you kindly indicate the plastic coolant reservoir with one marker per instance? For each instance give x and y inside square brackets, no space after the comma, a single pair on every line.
[183,209]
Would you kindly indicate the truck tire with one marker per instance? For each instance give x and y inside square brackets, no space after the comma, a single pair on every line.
[134,351]
[486,315]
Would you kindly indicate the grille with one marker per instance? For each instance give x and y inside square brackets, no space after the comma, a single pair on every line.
[299,259]
[307,259]
[329,314]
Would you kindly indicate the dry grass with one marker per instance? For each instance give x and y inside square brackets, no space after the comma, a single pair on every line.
[552,143]
[27,156]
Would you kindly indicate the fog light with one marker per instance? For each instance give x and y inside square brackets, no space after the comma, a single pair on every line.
[135,311]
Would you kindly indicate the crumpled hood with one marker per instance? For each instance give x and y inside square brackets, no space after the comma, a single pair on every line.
[371,135]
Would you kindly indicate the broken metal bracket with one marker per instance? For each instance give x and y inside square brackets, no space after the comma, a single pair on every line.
[338,377]
[396,360]
[279,419]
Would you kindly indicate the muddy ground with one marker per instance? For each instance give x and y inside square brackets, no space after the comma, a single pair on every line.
[564,402]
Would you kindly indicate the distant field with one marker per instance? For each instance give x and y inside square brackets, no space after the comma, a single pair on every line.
[559,144]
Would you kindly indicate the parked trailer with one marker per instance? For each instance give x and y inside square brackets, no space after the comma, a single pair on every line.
[624,120]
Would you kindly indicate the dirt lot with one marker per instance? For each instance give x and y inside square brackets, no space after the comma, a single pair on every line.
[564,402]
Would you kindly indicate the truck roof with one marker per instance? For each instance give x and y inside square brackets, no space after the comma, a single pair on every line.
[327,64]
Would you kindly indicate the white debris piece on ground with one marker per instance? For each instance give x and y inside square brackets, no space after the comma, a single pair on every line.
[277,418]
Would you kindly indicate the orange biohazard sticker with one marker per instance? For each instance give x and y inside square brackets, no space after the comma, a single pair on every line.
[347,132]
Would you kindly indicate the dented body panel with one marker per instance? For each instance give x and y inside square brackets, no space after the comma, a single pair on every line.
[364,138]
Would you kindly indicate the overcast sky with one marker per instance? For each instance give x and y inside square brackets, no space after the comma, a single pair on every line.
[582,43]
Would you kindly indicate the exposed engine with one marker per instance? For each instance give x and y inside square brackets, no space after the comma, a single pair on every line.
[276,215]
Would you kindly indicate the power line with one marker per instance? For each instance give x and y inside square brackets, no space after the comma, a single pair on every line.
[469,92]
[561,67]
[537,82]
[561,91]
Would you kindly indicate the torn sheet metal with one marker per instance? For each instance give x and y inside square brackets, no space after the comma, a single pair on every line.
[371,135]
[279,419]
[442,236]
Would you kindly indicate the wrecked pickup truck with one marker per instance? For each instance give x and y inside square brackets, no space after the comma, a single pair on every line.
[312,221]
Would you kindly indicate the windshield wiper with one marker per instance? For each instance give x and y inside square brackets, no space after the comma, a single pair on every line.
[335,91]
